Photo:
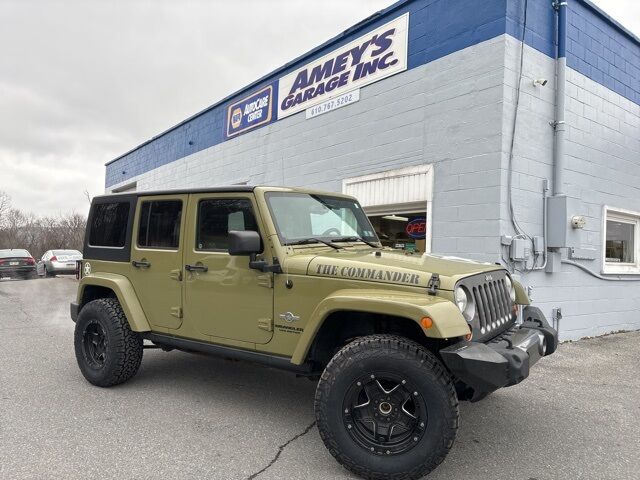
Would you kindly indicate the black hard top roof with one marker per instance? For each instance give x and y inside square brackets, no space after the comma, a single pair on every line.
[147,193]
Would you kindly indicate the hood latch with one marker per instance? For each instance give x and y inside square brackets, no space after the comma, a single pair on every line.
[434,284]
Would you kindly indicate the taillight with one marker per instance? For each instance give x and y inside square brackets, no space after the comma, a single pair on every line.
[78,269]
[2,262]
[31,261]
[53,259]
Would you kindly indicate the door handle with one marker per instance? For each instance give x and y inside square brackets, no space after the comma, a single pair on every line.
[196,268]
[142,264]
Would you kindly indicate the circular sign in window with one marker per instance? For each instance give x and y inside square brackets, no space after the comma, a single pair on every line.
[417,228]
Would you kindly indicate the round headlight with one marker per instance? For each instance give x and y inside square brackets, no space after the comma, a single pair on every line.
[510,288]
[461,299]
[465,303]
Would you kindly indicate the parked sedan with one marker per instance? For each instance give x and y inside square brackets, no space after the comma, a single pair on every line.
[17,263]
[55,262]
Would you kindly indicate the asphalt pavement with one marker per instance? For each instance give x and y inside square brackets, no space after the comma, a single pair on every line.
[187,416]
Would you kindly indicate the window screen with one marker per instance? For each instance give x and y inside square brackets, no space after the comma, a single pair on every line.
[216,217]
[160,224]
[109,224]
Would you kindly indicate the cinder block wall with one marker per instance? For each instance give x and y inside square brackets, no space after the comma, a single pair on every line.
[603,168]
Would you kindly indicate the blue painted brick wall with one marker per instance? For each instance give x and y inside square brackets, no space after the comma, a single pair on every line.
[540,32]
[600,50]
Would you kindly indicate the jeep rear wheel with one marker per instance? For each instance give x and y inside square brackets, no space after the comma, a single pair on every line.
[386,408]
[107,350]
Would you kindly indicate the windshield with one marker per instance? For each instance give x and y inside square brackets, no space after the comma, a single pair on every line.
[301,216]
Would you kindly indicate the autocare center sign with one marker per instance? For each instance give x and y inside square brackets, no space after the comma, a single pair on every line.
[372,57]
[250,112]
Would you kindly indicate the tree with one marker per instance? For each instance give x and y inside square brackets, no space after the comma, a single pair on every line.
[39,234]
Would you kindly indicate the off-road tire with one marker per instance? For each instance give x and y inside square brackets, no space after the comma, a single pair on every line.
[420,367]
[123,351]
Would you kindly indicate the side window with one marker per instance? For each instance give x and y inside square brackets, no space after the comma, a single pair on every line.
[109,225]
[160,224]
[216,217]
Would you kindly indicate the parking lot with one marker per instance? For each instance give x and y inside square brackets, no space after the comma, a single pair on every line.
[191,416]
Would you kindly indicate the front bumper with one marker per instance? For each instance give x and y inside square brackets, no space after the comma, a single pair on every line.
[504,361]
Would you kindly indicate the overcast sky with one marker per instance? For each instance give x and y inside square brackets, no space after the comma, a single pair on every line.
[83,81]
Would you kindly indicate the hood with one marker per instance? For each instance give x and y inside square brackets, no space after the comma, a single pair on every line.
[389,266]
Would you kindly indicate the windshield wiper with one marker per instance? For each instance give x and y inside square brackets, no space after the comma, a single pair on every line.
[355,238]
[306,241]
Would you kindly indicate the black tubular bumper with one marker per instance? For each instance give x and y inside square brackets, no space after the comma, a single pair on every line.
[505,361]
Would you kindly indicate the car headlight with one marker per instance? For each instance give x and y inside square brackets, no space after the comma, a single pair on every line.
[511,288]
[465,303]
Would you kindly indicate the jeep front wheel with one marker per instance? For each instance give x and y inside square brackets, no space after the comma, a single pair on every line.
[107,350]
[386,408]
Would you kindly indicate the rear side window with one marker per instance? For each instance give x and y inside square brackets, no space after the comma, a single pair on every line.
[109,225]
[160,224]
[216,217]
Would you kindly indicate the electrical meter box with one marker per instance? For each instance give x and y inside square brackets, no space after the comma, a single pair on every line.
[561,232]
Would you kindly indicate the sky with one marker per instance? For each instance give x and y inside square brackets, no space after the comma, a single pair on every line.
[83,81]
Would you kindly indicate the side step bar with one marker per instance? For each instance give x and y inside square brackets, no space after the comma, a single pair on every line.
[184,344]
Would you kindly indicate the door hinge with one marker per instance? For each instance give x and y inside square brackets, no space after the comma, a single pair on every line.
[265,280]
[265,324]
[176,274]
[176,312]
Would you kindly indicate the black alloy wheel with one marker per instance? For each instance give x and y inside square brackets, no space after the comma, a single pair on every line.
[107,350]
[384,413]
[94,345]
[386,408]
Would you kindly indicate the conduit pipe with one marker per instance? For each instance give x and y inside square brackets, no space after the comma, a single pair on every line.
[559,123]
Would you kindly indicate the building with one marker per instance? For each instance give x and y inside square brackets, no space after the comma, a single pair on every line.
[465,129]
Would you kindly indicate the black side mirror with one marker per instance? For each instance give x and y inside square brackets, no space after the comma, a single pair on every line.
[244,242]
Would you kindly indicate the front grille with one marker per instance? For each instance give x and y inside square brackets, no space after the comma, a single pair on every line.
[493,305]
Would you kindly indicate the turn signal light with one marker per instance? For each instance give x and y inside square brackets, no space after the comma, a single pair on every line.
[469,335]
[426,322]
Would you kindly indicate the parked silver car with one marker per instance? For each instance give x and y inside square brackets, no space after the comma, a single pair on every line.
[55,262]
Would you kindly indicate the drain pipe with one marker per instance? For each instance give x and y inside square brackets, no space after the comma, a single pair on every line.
[558,124]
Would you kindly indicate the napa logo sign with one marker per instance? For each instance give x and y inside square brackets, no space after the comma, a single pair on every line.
[368,59]
[252,111]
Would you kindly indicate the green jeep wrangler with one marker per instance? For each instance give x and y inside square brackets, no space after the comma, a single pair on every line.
[298,280]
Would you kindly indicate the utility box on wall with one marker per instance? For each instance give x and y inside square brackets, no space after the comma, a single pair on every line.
[561,230]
